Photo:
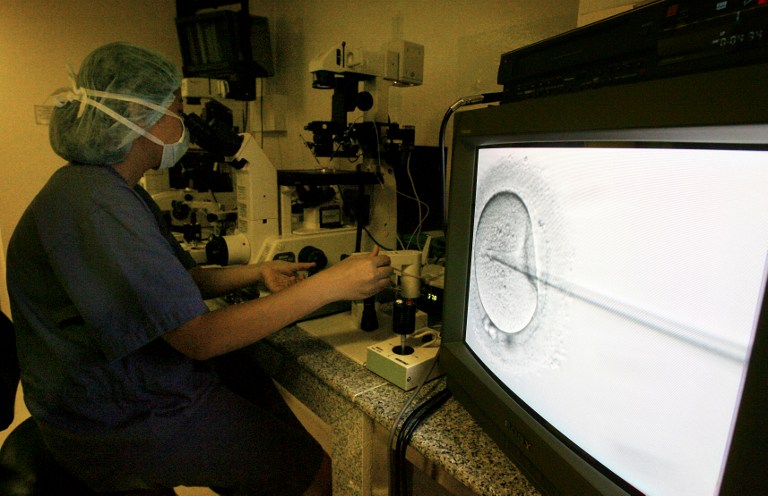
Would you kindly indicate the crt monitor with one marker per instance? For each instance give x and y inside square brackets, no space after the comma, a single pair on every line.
[605,316]
[229,45]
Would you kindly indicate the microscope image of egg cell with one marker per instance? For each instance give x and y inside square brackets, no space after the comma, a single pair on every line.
[505,264]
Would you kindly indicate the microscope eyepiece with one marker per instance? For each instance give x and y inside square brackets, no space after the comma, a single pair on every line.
[225,142]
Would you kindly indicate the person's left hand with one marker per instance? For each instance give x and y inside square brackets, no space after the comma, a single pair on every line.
[278,274]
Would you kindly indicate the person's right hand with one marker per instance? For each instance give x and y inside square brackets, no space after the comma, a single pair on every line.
[359,276]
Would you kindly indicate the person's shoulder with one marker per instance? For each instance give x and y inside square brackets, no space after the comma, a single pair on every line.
[79,183]
[78,191]
[88,174]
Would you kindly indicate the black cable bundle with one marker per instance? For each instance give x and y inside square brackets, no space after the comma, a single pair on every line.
[398,483]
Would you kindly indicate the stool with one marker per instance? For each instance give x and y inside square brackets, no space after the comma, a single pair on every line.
[27,468]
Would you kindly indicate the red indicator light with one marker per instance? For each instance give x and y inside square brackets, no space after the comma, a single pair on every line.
[672,9]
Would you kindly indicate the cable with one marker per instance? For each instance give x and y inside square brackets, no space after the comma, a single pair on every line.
[417,231]
[308,146]
[347,140]
[419,415]
[375,241]
[393,466]
[461,102]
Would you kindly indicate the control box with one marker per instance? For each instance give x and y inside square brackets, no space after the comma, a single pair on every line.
[405,369]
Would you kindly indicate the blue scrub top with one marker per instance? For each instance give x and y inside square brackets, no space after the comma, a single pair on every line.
[94,283]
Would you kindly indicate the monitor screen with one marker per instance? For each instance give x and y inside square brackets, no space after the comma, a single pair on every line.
[615,291]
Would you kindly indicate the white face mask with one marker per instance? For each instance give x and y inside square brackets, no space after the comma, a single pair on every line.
[172,152]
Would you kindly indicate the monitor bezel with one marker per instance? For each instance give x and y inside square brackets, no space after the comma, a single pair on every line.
[563,120]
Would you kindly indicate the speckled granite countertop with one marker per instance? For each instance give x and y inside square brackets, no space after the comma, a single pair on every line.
[450,438]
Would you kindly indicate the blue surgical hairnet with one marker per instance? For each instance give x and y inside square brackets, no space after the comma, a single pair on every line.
[93,137]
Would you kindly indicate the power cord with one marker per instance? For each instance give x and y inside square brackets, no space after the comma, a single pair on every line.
[419,415]
[398,482]
[461,102]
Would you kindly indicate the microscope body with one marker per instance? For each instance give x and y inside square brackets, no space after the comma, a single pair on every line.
[265,228]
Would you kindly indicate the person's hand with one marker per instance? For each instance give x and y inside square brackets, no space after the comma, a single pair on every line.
[359,276]
[278,274]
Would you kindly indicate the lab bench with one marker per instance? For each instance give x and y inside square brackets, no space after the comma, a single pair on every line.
[351,410]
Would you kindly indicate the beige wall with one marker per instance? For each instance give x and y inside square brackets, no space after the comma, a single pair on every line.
[595,10]
[463,40]
[37,39]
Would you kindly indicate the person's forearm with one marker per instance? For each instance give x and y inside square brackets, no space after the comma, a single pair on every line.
[219,281]
[233,327]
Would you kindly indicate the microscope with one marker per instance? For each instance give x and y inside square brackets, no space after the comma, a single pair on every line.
[361,80]
[264,226]
[286,214]
[368,193]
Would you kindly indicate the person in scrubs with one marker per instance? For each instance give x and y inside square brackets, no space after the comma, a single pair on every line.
[130,377]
